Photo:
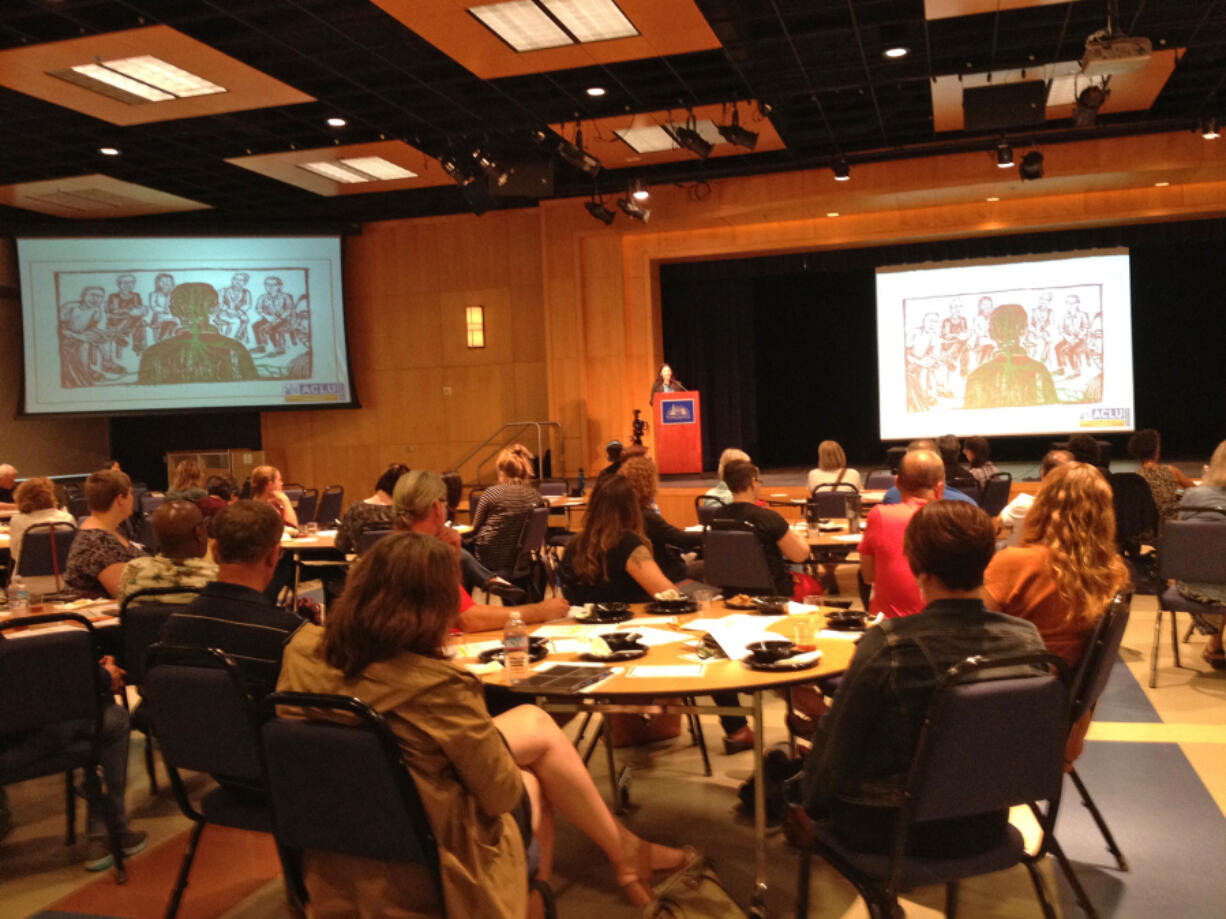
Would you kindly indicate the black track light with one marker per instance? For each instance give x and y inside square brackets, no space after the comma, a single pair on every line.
[1032,166]
[1004,156]
[632,208]
[1089,101]
[597,209]
[687,137]
[1209,129]
[735,134]
[842,171]
[577,156]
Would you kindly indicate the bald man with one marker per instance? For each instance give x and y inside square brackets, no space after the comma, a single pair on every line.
[8,481]
[182,539]
[920,479]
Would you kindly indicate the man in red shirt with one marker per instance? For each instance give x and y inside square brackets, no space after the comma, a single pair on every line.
[920,479]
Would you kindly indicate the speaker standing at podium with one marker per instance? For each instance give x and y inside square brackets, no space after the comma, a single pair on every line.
[665,382]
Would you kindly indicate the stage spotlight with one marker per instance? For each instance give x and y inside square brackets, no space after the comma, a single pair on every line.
[842,172]
[638,191]
[688,138]
[577,156]
[1004,156]
[1032,166]
[1089,101]
[633,209]
[1209,129]
[735,134]
[600,212]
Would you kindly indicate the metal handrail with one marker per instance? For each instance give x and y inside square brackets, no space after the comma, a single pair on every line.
[506,434]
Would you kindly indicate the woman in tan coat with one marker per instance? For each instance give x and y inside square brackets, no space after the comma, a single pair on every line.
[488,784]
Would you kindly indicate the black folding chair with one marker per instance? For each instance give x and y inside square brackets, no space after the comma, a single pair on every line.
[308,501]
[879,480]
[293,491]
[706,507]
[50,678]
[141,617]
[831,499]
[527,571]
[553,488]
[1193,551]
[329,509]
[371,534]
[1013,729]
[735,559]
[995,494]
[1093,671]
[206,721]
[44,551]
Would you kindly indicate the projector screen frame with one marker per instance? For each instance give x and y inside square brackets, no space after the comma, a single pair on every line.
[56,235]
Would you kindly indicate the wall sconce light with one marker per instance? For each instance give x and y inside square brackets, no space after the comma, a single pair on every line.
[474,325]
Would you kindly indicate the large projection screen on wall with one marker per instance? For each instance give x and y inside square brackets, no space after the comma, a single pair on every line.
[1034,345]
[162,324]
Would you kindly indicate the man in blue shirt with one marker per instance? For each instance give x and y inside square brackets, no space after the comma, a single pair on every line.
[951,493]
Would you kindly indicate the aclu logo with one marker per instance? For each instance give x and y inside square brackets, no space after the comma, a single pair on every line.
[313,392]
[1106,418]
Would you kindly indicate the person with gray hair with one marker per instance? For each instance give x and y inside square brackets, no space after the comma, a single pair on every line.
[419,505]
[8,481]
[721,489]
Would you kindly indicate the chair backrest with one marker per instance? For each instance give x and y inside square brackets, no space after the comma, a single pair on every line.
[316,803]
[330,503]
[995,493]
[473,497]
[78,506]
[830,499]
[734,557]
[307,504]
[1094,668]
[706,507]
[294,492]
[141,617]
[455,491]
[203,716]
[245,491]
[553,488]
[48,677]
[370,535]
[1193,550]
[1136,513]
[150,502]
[879,480]
[531,539]
[44,551]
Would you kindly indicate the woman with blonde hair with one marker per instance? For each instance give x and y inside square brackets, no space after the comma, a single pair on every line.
[187,484]
[266,486]
[489,785]
[1067,568]
[503,508]
[832,467]
[721,490]
[35,499]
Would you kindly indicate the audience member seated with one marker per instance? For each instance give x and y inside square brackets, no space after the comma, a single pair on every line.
[1066,569]
[1209,495]
[17,750]
[373,512]
[720,489]
[8,481]
[613,453]
[831,467]
[893,496]
[609,560]
[187,484]
[1009,522]
[855,774]
[222,493]
[183,540]
[667,541]
[780,542]
[419,504]
[232,613]
[883,563]
[1085,449]
[35,499]
[979,459]
[503,508]
[100,550]
[266,486]
[956,475]
[488,784]
[1165,481]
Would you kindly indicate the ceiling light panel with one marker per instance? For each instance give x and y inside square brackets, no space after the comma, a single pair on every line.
[521,24]
[591,20]
[86,74]
[378,168]
[653,138]
[167,77]
[330,169]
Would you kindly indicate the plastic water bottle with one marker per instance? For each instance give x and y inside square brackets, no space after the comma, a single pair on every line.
[853,514]
[515,648]
[19,596]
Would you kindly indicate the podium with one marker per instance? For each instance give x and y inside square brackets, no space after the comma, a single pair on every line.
[678,427]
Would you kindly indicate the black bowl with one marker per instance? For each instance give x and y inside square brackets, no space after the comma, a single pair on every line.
[672,607]
[623,646]
[847,621]
[772,606]
[771,650]
[607,612]
[538,649]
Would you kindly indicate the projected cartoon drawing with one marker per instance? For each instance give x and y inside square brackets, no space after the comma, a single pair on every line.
[198,325]
[1015,354]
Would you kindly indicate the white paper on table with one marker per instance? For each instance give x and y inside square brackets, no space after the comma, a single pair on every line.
[666,671]
[652,637]
[805,658]
[834,633]
[847,537]
[565,630]
[569,646]
[475,648]
[799,609]
[734,633]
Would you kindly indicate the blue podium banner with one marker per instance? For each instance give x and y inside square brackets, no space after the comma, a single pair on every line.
[677,411]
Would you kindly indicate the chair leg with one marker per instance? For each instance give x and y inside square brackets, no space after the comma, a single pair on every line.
[150,766]
[802,884]
[587,719]
[176,895]
[1098,819]
[70,809]
[1066,866]
[951,900]
[1153,657]
[699,738]
[1187,636]
[1040,890]
[1175,638]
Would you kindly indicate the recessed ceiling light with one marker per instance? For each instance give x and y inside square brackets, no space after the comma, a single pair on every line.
[143,78]
[521,24]
[842,171]
[638,191]
[595,91]
[109,151]
[1209,129]
[591,20]
[378,168]
[992,198]
[1161,184]
[337,122]
[333,170]
[896,52]
[832,213]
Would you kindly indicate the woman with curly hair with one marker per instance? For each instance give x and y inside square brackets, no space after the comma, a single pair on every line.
[1066,569]
[667,541]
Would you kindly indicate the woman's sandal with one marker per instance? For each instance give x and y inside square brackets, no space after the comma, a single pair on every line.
[1215,659]
[635,878]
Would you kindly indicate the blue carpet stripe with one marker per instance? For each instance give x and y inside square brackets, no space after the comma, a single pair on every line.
[1124,699]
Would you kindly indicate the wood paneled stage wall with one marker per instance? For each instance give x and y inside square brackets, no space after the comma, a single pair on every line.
[572,306]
